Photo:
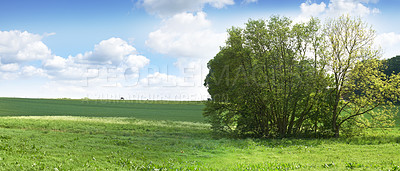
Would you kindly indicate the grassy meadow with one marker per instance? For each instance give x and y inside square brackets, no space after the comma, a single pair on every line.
[44,134]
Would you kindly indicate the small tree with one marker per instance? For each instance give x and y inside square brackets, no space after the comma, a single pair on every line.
[355,66]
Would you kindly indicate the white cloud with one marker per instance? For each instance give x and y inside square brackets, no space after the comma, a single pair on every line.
[112,69]
[8,75]
[249,1]
[19,51]
[219,3]
[69,72]
[110,51]
[376,11]
[29,71]
[309,9]
[190,39]
[15,71]
[160,79]
[171,7]
[352,7]
[136,61]
[112,56]
[186,36]
[56,62]
[390,43]
[17,46]
[312,9]
[113,53]
[336,8]
[9,67]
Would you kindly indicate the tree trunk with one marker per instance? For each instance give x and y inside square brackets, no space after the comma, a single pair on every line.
[334,127]
[336,113]
[337,131]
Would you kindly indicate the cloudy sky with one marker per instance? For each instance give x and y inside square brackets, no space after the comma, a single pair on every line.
[144,49]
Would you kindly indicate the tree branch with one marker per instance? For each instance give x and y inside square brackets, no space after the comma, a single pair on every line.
[358,114]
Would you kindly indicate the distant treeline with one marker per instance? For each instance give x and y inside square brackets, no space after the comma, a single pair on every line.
[393,65]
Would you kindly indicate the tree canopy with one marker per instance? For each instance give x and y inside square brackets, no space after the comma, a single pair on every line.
[275,78]
[393,65]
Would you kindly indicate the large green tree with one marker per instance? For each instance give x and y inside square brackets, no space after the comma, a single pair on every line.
[275,78]
[262,83]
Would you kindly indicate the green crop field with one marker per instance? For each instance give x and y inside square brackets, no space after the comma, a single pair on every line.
[148,110]
[44,134]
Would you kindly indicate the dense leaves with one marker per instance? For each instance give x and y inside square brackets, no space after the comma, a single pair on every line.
[393,66]
[276,79]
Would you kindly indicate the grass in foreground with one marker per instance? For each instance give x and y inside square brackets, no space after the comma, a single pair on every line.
[94,143]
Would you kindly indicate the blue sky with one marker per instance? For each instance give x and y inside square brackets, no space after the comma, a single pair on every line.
[143,49]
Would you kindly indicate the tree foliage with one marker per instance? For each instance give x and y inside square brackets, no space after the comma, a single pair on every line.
[393,66]
[355,67]
[275,78]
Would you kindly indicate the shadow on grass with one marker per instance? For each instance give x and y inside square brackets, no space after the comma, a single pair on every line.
[370,137]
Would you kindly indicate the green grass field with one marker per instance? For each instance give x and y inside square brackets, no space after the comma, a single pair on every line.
[40,134]
[148,110]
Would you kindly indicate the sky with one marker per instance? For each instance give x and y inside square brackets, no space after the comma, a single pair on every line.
[144,49]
